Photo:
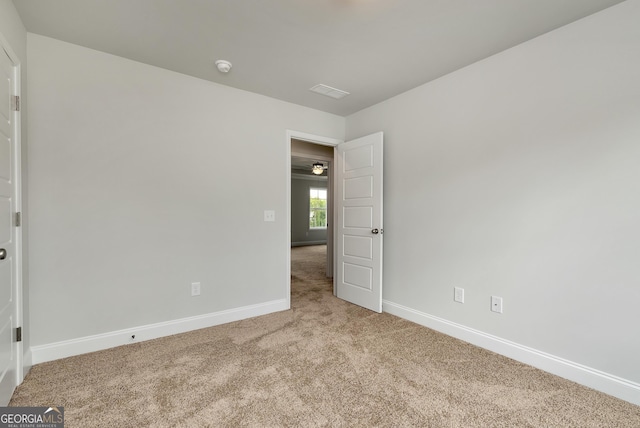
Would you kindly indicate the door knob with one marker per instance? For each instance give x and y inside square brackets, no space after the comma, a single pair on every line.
[3,254]
[375,231]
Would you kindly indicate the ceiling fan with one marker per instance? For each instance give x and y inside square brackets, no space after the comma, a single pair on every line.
[318,168]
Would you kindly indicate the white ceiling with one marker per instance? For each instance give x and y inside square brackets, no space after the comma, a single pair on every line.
[374,49]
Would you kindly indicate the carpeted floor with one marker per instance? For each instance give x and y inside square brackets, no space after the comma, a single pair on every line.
[323,363]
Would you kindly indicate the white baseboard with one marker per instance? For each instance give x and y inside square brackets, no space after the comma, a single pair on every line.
[27,363]
[587,376]
[82,345]
[307,243]
[27,359]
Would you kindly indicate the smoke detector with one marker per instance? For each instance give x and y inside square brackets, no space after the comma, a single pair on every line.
[223,66]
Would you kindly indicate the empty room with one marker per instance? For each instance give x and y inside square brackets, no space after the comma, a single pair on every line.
[320,213]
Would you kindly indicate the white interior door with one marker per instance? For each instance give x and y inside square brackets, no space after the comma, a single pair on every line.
[8,260]
[359,221]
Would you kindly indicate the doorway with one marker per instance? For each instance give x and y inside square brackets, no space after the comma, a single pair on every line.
[303,150]
[355,242]
[311,223]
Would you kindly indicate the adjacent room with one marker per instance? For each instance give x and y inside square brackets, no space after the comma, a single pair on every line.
[465,253]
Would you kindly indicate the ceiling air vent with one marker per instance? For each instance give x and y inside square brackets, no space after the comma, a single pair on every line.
[329,91]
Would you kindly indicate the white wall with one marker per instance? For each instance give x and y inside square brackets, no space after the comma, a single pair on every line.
[13,31]
[135,193]
[519,176]
[516,176]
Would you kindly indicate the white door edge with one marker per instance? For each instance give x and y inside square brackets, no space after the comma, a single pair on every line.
[20,370]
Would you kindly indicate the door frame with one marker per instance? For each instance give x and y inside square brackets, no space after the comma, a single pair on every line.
[314,139]
[21,359]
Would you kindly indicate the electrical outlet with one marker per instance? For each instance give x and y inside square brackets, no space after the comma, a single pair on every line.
[458,294]
[496,304]
[195,288]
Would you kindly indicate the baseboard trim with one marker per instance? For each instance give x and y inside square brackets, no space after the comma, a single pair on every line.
[27,363]
[83,345]
[308,243]
[587,376]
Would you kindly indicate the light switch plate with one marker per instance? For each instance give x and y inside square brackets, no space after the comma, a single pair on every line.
[458,294]
[269,215]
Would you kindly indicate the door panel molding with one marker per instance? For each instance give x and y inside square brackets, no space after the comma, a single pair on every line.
[359,208]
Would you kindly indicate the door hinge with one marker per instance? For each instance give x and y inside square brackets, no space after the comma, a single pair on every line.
[15,102]
[18,219]
[19,334]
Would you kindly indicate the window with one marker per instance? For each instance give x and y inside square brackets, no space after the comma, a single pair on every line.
[317,208]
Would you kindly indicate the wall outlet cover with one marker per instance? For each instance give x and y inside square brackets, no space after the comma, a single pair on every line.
[496,304]
[195,288]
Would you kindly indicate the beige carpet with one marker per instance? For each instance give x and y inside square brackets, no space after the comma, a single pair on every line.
[323,363]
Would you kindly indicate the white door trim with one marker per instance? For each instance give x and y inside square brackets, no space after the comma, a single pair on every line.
[311,138]
[22,364]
